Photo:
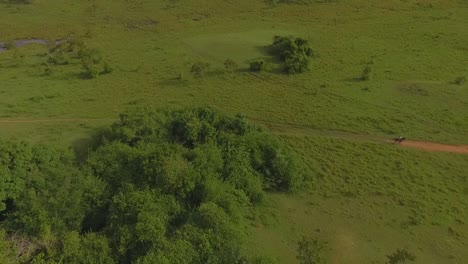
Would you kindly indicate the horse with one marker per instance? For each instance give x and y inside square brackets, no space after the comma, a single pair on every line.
[398,140]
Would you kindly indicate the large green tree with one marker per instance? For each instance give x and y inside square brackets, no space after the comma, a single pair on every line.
[159,187]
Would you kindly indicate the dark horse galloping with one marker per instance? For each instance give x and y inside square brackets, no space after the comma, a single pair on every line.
[398,139]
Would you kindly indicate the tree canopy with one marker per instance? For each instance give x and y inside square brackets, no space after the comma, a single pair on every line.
[160,186]
[295,53]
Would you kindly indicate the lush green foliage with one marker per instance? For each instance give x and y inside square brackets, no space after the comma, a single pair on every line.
[294,52]
[160,187]
[374,196]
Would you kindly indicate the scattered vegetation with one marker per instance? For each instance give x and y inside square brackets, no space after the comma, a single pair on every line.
[200,69]
[310,250]
[91,63]
[73,50]
[400,256]
[257,66]
[230,65]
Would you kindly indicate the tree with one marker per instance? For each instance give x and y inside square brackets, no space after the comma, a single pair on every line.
[295,53]
[162,186]
[87,249]
[7,250]
[257,66]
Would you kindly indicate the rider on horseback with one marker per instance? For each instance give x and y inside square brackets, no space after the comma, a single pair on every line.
[399,139]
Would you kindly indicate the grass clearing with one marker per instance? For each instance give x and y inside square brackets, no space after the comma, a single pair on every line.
[369,199]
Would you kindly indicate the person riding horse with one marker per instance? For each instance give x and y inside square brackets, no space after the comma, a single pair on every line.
[399,139]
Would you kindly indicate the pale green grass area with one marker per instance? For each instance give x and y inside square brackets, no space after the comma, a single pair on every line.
[241,47]
[416,55]
[368,199]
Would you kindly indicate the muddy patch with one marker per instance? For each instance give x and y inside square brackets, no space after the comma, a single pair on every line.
[4,46]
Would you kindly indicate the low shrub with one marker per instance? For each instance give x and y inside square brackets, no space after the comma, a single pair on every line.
[257,66]
[230,65]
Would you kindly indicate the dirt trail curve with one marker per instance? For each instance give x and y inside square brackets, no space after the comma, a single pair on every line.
[286,129]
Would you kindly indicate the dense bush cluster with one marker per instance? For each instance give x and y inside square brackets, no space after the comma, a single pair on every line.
[158,187]
[70,50]
[257,66]
[295,53]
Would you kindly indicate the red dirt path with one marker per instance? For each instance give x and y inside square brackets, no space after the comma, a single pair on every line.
[435,147]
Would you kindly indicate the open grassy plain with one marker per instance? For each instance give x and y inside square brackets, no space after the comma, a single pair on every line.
[368,198]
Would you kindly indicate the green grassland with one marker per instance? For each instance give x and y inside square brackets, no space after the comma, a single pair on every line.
[367,199]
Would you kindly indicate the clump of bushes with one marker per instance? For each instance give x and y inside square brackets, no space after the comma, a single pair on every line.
[295,53]
[257,66]
[230,65]
[92,63]
[74,50]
